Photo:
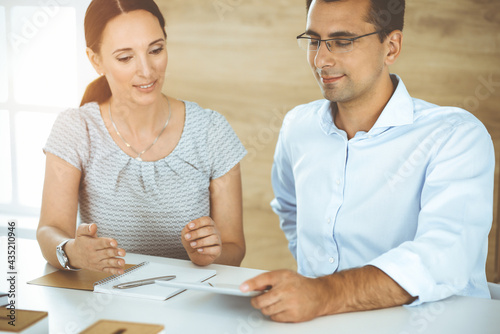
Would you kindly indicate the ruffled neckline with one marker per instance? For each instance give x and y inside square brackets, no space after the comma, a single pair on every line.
[95,112]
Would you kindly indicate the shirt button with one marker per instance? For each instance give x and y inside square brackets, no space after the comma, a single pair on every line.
[338,181]
[329,220]
[332,260]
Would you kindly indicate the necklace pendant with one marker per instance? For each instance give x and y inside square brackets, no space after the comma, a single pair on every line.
[138,158]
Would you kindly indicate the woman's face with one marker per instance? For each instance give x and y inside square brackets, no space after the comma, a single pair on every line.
[133,57]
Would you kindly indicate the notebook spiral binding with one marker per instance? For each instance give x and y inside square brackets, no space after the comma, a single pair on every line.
[127,271]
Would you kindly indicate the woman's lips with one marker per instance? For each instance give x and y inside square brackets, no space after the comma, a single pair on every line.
[147,87]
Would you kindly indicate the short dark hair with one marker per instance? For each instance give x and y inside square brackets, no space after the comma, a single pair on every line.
[385,15]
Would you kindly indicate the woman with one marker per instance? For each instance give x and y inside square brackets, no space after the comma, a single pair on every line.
[150,174]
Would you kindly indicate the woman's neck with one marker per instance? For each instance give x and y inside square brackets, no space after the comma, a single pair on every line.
[138,121]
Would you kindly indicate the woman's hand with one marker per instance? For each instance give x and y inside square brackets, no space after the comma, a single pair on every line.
[202,241]
[87,251]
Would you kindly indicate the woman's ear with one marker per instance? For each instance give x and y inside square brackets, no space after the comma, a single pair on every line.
[394,44]
[95,60]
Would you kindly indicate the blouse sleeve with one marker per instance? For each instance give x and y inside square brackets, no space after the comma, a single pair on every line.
[69,138]
[225,148]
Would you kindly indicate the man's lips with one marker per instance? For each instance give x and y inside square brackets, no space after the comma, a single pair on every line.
[331,79]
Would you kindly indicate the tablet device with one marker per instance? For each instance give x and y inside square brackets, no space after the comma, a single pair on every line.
[224,288]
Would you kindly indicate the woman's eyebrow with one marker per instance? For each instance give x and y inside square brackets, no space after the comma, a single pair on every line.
[129,49]
[158,40]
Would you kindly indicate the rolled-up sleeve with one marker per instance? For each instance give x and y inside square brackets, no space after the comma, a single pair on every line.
[448,253]
[284,204]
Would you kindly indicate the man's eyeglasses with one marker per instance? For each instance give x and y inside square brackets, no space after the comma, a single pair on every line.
[334,45]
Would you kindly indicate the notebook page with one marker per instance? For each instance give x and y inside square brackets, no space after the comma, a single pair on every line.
[148,270]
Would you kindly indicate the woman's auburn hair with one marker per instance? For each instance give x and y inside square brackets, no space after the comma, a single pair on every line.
[98,14]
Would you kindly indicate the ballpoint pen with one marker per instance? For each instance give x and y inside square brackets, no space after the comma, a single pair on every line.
[133,284]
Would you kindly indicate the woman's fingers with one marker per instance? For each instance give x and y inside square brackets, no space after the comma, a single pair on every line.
[202,240]
[91,252]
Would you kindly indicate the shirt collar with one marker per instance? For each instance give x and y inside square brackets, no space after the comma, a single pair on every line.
[326,119]
[397,112]
[399,109]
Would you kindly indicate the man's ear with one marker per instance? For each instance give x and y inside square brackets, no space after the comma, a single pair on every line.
[394,43]
[95,60]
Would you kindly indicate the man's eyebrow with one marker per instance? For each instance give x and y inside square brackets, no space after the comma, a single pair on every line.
[152,43]
[332,34]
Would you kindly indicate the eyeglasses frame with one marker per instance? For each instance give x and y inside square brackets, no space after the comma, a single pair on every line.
[352,39]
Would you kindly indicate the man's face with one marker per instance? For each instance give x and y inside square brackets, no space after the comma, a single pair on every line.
[345,77]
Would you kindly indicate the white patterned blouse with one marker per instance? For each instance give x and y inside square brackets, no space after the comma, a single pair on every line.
[145,204]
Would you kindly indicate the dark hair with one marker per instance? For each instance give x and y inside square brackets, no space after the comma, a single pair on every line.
[385,15]
[98,14]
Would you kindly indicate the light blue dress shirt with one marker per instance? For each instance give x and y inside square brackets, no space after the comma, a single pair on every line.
[413,196]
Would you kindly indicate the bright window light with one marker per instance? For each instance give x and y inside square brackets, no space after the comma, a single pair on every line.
[5,169]
[4,87]
[44,50]
[32,131]
[43,71]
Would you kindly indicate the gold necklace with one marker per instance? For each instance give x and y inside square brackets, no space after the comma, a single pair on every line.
[138,158]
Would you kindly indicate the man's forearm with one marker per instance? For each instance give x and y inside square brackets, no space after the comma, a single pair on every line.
[360,289]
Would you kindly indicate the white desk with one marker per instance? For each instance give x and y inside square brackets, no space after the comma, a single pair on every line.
[70,311]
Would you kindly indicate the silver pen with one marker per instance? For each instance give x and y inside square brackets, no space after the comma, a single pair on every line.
[133,284]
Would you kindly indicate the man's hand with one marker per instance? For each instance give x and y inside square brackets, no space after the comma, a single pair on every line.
[295,298]
[291,297]
[202,241]
[87,251]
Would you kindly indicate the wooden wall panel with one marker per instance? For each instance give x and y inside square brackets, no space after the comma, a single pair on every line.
[240,57]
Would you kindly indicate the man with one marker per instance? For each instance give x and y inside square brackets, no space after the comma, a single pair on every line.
[385,199]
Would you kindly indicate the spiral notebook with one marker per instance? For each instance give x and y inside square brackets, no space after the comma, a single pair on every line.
[147,270]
